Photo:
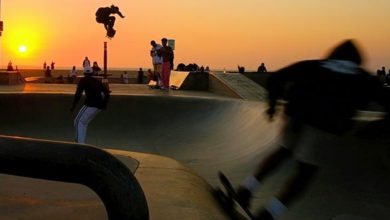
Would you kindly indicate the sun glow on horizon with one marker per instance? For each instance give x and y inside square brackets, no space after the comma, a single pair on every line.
[284,32]
[23,39]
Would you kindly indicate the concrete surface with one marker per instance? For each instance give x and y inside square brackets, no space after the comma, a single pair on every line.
[172,190]
[207,133]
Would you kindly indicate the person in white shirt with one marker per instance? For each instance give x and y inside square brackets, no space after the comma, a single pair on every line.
[73,75]
[86,63]
[157,62]
[125,77]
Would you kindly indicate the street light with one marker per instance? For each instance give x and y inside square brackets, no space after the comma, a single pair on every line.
[1,22]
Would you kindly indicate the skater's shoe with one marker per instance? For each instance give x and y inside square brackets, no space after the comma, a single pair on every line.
[243,196]
[111,33]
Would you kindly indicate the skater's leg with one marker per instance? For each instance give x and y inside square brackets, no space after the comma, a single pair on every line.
[267,166]
[111,22]
[106,26]
[104,21]
[292,190]
[298,183]
[85,115]
[291,134]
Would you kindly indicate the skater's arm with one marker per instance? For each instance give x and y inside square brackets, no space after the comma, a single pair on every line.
[106,96]
[120,14]
[277,81]
[275,90]
[77,96]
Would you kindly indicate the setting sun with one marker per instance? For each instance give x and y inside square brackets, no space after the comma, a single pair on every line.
[234,34]
[22,49]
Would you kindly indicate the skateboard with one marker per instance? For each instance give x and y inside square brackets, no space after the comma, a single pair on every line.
[229,199]
[111,33]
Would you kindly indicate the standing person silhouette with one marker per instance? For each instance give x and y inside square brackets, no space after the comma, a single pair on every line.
[103,16]
[96,100]
[322,98]
[95,68]
[157,62]
[167,55]
[86,63]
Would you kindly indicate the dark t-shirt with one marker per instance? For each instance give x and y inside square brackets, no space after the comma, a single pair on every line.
[96,93]
[326,93]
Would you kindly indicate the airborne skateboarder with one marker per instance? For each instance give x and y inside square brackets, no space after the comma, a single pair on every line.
[103,16]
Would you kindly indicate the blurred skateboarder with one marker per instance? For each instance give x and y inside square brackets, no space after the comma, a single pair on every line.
[97,96]
[322,97]
[103,16]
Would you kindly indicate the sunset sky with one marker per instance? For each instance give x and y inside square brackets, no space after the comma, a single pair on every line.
[216,33]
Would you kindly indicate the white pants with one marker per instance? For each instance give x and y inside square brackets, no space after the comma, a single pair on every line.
[85,115]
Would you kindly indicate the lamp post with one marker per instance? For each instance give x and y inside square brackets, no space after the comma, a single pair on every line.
[1,22]
[1,31]
[105,75]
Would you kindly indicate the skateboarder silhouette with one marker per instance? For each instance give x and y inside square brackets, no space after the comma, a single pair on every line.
[322,98]
[103,16]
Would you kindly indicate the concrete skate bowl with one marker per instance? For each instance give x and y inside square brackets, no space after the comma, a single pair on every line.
[203,133]
[208,135]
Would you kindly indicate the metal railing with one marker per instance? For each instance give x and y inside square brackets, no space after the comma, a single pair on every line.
[110,179]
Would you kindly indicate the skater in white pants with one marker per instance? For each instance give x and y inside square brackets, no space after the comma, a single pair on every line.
[97,96]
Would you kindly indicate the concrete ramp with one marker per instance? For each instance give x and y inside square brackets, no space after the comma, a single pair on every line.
[212,134]
[190,80]
[203,133]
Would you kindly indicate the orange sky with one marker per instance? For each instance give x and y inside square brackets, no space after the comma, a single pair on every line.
[217,33]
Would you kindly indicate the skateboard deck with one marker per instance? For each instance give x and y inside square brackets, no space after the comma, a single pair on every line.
[111,33]
[227,205]
[230,197]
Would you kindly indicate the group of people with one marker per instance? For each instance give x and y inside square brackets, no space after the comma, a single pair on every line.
[260,69]
[192,67]
[383,76]
[97,94]
[95,69]
[140,77]
[10,67]
[322,97]
[162,59]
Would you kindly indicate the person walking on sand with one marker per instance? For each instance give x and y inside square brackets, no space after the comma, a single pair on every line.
[97,96]
[322,97]
[157,62]
[167,55]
